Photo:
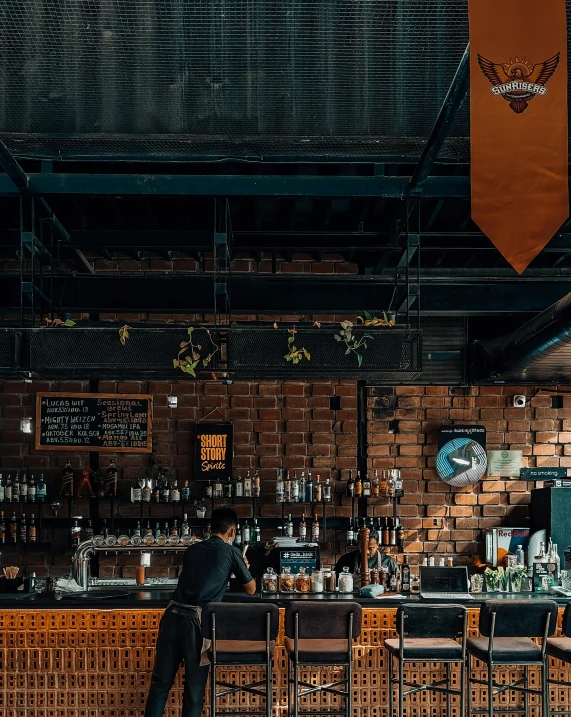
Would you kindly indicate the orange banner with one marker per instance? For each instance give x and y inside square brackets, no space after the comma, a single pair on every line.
[518,123]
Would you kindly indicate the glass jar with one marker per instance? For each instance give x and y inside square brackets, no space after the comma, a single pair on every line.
[302,582]
[331,581]
[345,581]
[287,581]
[270,581]
[414,583]
[317,581]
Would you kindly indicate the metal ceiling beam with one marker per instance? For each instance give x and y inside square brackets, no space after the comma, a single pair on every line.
[237,186]
[475,294]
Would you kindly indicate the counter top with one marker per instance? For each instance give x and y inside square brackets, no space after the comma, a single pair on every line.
[130,599]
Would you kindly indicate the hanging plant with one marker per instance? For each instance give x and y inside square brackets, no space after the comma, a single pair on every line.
[295,354]
[124,334]
[370,320]
[352,342]
[50,323]
[189,364]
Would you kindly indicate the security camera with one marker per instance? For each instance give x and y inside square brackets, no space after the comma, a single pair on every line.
[519,401]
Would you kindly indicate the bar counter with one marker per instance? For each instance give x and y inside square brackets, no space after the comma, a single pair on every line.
[91,656]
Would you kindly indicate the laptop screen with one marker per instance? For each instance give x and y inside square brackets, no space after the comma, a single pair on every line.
[443,580]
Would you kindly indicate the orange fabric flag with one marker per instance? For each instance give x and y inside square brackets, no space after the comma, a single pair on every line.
[518,123]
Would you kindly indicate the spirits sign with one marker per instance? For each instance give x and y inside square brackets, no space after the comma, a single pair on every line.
[213,451]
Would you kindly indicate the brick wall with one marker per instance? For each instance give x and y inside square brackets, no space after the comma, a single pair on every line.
[291,424]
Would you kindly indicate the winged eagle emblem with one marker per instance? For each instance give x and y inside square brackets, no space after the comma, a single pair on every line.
[518,81]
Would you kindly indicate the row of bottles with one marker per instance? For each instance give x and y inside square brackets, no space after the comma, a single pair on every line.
[386,485]
[22,489]
[290,489]
[389,531]
[19,529]
[162,489]
[239,487]
[303,529]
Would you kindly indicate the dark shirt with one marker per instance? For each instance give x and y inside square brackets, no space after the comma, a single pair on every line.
[206,569]
[353,562]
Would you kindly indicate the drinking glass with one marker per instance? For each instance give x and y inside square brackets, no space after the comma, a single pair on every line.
[476,583]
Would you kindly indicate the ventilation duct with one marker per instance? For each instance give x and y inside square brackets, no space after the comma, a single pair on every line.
[537,352]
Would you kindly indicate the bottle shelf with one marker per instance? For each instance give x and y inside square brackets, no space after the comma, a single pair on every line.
[40,547]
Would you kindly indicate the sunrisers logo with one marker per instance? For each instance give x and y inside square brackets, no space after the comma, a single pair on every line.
[518,81]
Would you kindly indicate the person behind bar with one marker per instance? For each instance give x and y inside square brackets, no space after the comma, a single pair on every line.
[207,566]
[377,559]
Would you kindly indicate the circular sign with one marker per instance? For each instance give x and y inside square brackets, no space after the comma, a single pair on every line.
[461,462]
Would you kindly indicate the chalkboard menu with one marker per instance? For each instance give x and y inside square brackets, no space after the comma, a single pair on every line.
[113,422]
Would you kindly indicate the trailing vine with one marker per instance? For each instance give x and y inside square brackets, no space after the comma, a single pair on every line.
[189,364]
[354,343]
[295,354]
[124,334]
[51,323]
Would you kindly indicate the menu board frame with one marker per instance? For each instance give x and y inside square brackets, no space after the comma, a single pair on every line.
[89,447]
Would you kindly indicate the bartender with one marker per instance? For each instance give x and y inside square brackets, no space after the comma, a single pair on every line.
[206,569]
[377,559]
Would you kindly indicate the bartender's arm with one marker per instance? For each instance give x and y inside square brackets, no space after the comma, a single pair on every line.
[240,570]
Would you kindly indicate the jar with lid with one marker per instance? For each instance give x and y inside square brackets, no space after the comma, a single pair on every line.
[415,583]
[302,582]
[345,581]
[331,581]
[270,581]
[317,581]
[287,581]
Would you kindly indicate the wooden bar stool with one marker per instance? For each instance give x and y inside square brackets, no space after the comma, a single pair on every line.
[560,649]
[428,633]
[507,627]
[320,634]
[241,634]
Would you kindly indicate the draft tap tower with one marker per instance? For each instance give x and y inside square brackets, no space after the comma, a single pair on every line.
[364,536]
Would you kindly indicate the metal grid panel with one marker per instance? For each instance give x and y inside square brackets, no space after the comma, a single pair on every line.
[207,77]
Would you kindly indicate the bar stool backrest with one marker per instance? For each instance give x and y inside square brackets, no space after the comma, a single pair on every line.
[240,621]
[425,621]
[323,620]
[518,618]
[566,624]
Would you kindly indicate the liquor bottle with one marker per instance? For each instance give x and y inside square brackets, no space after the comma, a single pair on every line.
[289,527]
[358,485]
[75,534]
[350,486]
[302,489]
[23,530]
[13,529]
[309,489]
[400,532]
[208,491]
[41,489]
[157,529]
[315,528]
[247,485]
[303,528]
[185,528]
[318,490]
[246,534]
[295,488]
[2,489]
[366,487]
[165,491]
[208,532]
[375,486]
[398,482]
[392,532]
[8,490]
[383,485]
[174,537]
[2,529]
[24,489]
[67,479]
[239,487]
[257,533]
[287,488]
[238,538]
[256,485]
[218,488]
[16,490]
[406,575]
[147,491]
[138,489]
[166,530]
[185,493]
[175,492]
[391,485]
[386,533]
[32,531]
[554,558]
[280,487]
[89,532]
[228,488]
[156,496]
[350,533]
[327,491]
[32,490]
[394,581]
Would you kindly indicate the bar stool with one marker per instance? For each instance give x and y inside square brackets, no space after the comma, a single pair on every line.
[241,634]
[428,633]
[320,634]
[560,649]
[507,627]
